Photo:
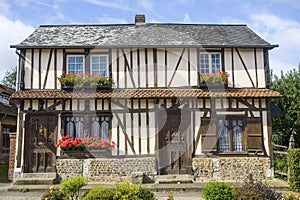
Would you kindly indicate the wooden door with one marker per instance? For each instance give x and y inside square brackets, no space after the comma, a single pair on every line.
[174,146]
[40,140]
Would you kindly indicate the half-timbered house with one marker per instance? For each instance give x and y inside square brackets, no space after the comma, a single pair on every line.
[161,117]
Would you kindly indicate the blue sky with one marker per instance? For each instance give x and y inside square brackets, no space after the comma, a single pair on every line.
[277,21]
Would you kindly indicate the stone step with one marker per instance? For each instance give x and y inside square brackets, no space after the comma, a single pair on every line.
[39,175]
[36,179]
[174,179]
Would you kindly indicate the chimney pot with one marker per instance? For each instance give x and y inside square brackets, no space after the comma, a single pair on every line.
[140,19]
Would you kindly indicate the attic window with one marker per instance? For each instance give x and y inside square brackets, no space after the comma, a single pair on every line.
[75,64]
[210,63]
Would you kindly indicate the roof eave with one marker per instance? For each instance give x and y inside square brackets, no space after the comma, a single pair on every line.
[266,46]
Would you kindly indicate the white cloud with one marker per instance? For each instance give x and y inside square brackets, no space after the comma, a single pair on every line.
[4,8]
[110,20]
[280,31]
[11,32]
[110,4]
[187,18]
[146,4]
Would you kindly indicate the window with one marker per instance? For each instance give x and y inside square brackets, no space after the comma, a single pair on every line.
[210,63]
[99,65]
[5,137]
[230,135]
[74,126]
[75,64]
[98,126]
[4,100]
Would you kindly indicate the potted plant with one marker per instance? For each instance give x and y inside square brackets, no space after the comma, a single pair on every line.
[99,147]
[214,80]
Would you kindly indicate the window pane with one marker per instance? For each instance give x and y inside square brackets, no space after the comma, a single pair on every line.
[95,59]
[237,134]
[95,127]
[223,136]
[103,59]
[104,129]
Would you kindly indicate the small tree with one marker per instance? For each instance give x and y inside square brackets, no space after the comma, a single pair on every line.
[289,86]
[10,78]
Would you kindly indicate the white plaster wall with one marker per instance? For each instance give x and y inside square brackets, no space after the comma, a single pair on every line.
[27,77]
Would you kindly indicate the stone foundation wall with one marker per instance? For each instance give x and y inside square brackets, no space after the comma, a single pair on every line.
[231,168]
[107,169]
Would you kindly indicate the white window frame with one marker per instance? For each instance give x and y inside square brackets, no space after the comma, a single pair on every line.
[83,64]
[210,62]
[99,69]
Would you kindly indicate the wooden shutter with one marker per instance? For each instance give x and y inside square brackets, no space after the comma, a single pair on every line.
[209,137]
[254,135]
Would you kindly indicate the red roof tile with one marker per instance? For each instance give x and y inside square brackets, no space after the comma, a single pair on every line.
[142,93]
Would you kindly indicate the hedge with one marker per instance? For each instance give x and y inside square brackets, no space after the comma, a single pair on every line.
[294,168]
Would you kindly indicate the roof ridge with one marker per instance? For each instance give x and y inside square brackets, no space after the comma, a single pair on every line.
[180,24]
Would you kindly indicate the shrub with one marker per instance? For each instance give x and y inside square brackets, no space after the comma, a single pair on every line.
[99,193]
[294,167]
[126,191]
[54,194]
[71,188]
[292,196]
[255,190]
[218,191]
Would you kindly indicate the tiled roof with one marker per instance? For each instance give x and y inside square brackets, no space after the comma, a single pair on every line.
[6,90]
[148,35]
[142,93]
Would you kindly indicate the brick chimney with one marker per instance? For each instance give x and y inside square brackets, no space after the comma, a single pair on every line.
[139,19]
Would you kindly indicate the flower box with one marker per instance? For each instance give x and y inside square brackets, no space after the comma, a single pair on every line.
[214,81]
[79,148]
[85,82]
[73,154]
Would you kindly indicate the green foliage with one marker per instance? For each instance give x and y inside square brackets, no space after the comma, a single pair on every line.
[3,173]
[10,78]
[292,196]
[126,191]
[255,190]
[24,190]
[99,193]
[54,194]
[71,188]
[289,86]
[294,167]
[218,191]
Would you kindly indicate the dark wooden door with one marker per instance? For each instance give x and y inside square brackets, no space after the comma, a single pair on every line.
[174,146]
[40,140]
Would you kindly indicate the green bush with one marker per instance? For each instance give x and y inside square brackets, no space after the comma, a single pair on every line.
[292,196]
[255,190]
[218,191]
[294,167]
[126,191]
[54,194]
[71,188]
[99,193]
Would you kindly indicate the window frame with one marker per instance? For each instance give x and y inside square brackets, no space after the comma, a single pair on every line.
[107,63]
[75,55]
[230,134]
[210,53]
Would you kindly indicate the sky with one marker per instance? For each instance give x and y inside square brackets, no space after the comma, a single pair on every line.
[277,21]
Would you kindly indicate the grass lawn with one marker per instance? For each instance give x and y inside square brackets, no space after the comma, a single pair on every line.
[3,173]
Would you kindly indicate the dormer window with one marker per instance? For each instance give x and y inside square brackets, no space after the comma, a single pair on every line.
[75,64]
[210,62]
[99,65]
